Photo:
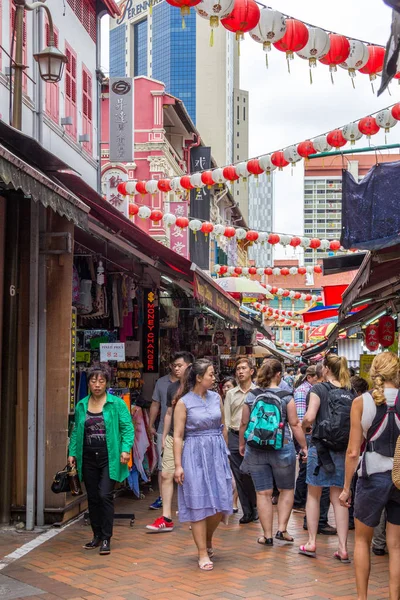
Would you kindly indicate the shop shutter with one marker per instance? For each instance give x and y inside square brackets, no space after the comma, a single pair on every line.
[70,91]
[87,123]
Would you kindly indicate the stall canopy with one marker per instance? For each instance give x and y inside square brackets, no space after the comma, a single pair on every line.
[278,353]
[207,292]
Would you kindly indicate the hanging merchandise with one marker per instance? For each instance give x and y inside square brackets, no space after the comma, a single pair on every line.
[352,133]
[338,53]
[295,38]
[387,330]
[358,58]
[270,29]
[184,5]
[372,337]
[244,17]
[317,47]
[214,12]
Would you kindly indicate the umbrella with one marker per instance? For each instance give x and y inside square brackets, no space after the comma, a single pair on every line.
[322,332]
[245,287]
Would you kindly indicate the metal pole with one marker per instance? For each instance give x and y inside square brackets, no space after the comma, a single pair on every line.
[9,357]
[41,410]
[355,151]
[33,367]
[18,65]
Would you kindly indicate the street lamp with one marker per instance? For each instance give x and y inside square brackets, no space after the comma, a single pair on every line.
[50,60]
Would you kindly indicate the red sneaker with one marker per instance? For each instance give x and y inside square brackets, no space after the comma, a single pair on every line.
[160,525]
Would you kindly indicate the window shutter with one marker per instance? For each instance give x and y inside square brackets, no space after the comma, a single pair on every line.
[87,126]
[70,91]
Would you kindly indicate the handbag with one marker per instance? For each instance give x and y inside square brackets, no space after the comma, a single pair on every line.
[61,481]
[396,465]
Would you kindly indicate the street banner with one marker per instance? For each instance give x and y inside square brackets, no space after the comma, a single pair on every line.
[200,200]
[121,119]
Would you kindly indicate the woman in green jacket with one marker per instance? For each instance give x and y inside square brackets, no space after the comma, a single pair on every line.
[100,447]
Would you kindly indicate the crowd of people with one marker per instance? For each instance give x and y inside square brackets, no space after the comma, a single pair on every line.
[245,440]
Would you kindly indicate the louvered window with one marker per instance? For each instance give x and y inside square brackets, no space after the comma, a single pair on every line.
[87,123]
[70,91]
[85,10]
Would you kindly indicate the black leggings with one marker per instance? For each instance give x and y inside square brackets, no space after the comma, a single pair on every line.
[99,489]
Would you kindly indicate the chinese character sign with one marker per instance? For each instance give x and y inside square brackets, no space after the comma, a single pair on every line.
[372,337]
[110,181]
[151,327]
[179,238]
[387,331]
[72,384]
[200,160]
[121,119]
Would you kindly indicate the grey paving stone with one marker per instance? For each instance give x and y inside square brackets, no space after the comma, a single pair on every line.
[11,589]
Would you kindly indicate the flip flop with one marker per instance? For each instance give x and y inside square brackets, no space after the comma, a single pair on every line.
[345,561]
[281,535]
[210,552]
[265,541]
[206,566]
[311,553]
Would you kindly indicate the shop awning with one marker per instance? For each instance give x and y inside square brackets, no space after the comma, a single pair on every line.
[321,332]
[316,349]
[270,346]
[207,292]
[33,183]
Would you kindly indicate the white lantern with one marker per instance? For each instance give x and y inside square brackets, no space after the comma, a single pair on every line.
[217,269]
[169,219]
[214,11]
[310,270]
[351,133]
[262,237]
[241,233]
[305,242]
[317,47]
[241,170]
[270,29]
[265,162]
[357,58]
[144,212]
[130,187]
[292,294]
[276,271]
[285,240]
[303,297]
[218,176]
[219,229]
[196,181]
[280,292]
[314,297]
[245,271]
[291,155]
[385,119]
[293,271]
[231,270]
[260,272]
[151,186]
[324,244]
[195,225]
[175,184]
[320,144]
[268,288]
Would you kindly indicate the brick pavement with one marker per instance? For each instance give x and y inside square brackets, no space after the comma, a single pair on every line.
[163,566]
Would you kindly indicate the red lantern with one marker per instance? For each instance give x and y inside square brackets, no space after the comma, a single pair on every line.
[253,167]
[306,148]
[301,326]
[396,111]
[286,293]
[223,269]
[334,245]
[252,236]
[207,228]
[302,270]
[335,138]
[264,309]
[141,188]
[184,5]
[372,337]
[273,290]
[230,173]
[319,298]
[284,271]
[185,183]
[238,270]
[339,51]
[164,185]
[295,38]
[368,126]
[386,331]
[230,232]
[317,269]
[279,160]
[243,18]
[252,271]
[315,243]
[121,188]
[295,241]
[156,216]
[297,296]
[274,239]
[375,62]
[133,210]
[207,179]
[283,312]
[308,298]
[182,222]
[268,271]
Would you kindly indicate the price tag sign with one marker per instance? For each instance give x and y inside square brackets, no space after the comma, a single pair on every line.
[110,352]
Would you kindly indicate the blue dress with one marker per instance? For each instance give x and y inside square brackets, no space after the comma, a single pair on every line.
[207,486]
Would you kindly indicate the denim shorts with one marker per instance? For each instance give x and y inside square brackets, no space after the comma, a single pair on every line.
[373,494]
[265,466]
[325,479]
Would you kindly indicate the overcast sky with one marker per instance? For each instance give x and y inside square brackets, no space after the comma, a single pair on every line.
[285,109]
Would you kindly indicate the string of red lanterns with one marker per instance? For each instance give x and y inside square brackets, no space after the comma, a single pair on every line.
[260,271]
[280,316]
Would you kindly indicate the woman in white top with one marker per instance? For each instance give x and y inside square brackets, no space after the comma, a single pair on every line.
[375,417]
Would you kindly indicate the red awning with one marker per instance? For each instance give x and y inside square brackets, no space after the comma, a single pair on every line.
[333,294]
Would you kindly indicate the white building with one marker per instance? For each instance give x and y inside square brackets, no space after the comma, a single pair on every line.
[261,202]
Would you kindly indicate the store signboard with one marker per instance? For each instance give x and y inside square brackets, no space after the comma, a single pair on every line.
[72,384]
[200,200]
[365,366]
[179,238]
[151,328]
[114,351]
[121,119]
[206,294]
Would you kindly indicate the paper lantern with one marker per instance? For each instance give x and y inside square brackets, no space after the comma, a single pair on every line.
[207,228]
[293,270]
[334,245]
[182,222]
[368,126]
[241,170]
[164,185]
[320,144]
[295,38]
[338,52]
[214,12]
[335,138]
[175,184]
[238,270]
[144,212]
[184,6]
[310,269]
[241,233]
[219,229]
[151,186]
[253,167]
[185,183]
[285,240]
[260,271]
[121,188]
[196,181]
[231,271]
[252,271]
[270,29]
[324,244]
[387,331]
[317,269]
[351,133]
[130,187]
[302,270]
[372,337]
[230,173]
[297,296]
[291,155]
[207,178]
[262,237]
[374,65]
[169,219]
[319,298]
[274,291]
[385,119]
[305,242]
[223,269]
[357,58]
[229,232]
[244,17]
[266,164]
[317,47]
[279,160]
[303,297]
[274,239]
[141,188]
[304,149]
[276,271]
[295,241]
[218,177]
[268,271]
[308,298]
[195,225]
[396,111]
[284,271]
[286,293]
[217,269]
[245,270]
[156,216]
[252,236]
[315,243]
[133,210]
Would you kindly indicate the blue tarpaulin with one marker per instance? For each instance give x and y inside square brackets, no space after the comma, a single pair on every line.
[371,208]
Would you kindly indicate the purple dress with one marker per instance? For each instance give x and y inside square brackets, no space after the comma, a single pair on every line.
[207,486]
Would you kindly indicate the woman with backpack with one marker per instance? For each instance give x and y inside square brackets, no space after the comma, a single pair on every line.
[375,418]
[268,448]
[328,414]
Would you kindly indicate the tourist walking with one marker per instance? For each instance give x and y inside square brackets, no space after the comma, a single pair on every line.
[329,414]
[375,418]
[100,448]
[269,453]
[201,465]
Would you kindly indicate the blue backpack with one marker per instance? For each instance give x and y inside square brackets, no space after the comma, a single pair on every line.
[266,428]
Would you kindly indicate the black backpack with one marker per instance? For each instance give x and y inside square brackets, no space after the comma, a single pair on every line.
[333,431]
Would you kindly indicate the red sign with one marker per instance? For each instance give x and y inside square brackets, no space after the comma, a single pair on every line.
[386,331]
[372,337]
[150,331]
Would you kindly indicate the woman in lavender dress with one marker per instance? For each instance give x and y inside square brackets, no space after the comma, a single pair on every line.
[201,465]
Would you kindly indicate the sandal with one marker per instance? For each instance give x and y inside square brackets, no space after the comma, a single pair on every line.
[344,560]
[265,541]
[311,553]
[210,552]
[206,566]
[283,536]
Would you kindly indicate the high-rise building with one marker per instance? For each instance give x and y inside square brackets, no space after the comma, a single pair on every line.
[323,196]
[261,216]
[153,43]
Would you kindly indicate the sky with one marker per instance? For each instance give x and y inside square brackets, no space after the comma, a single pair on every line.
[285,109]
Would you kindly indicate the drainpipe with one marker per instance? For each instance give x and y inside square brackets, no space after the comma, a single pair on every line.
[186,150]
